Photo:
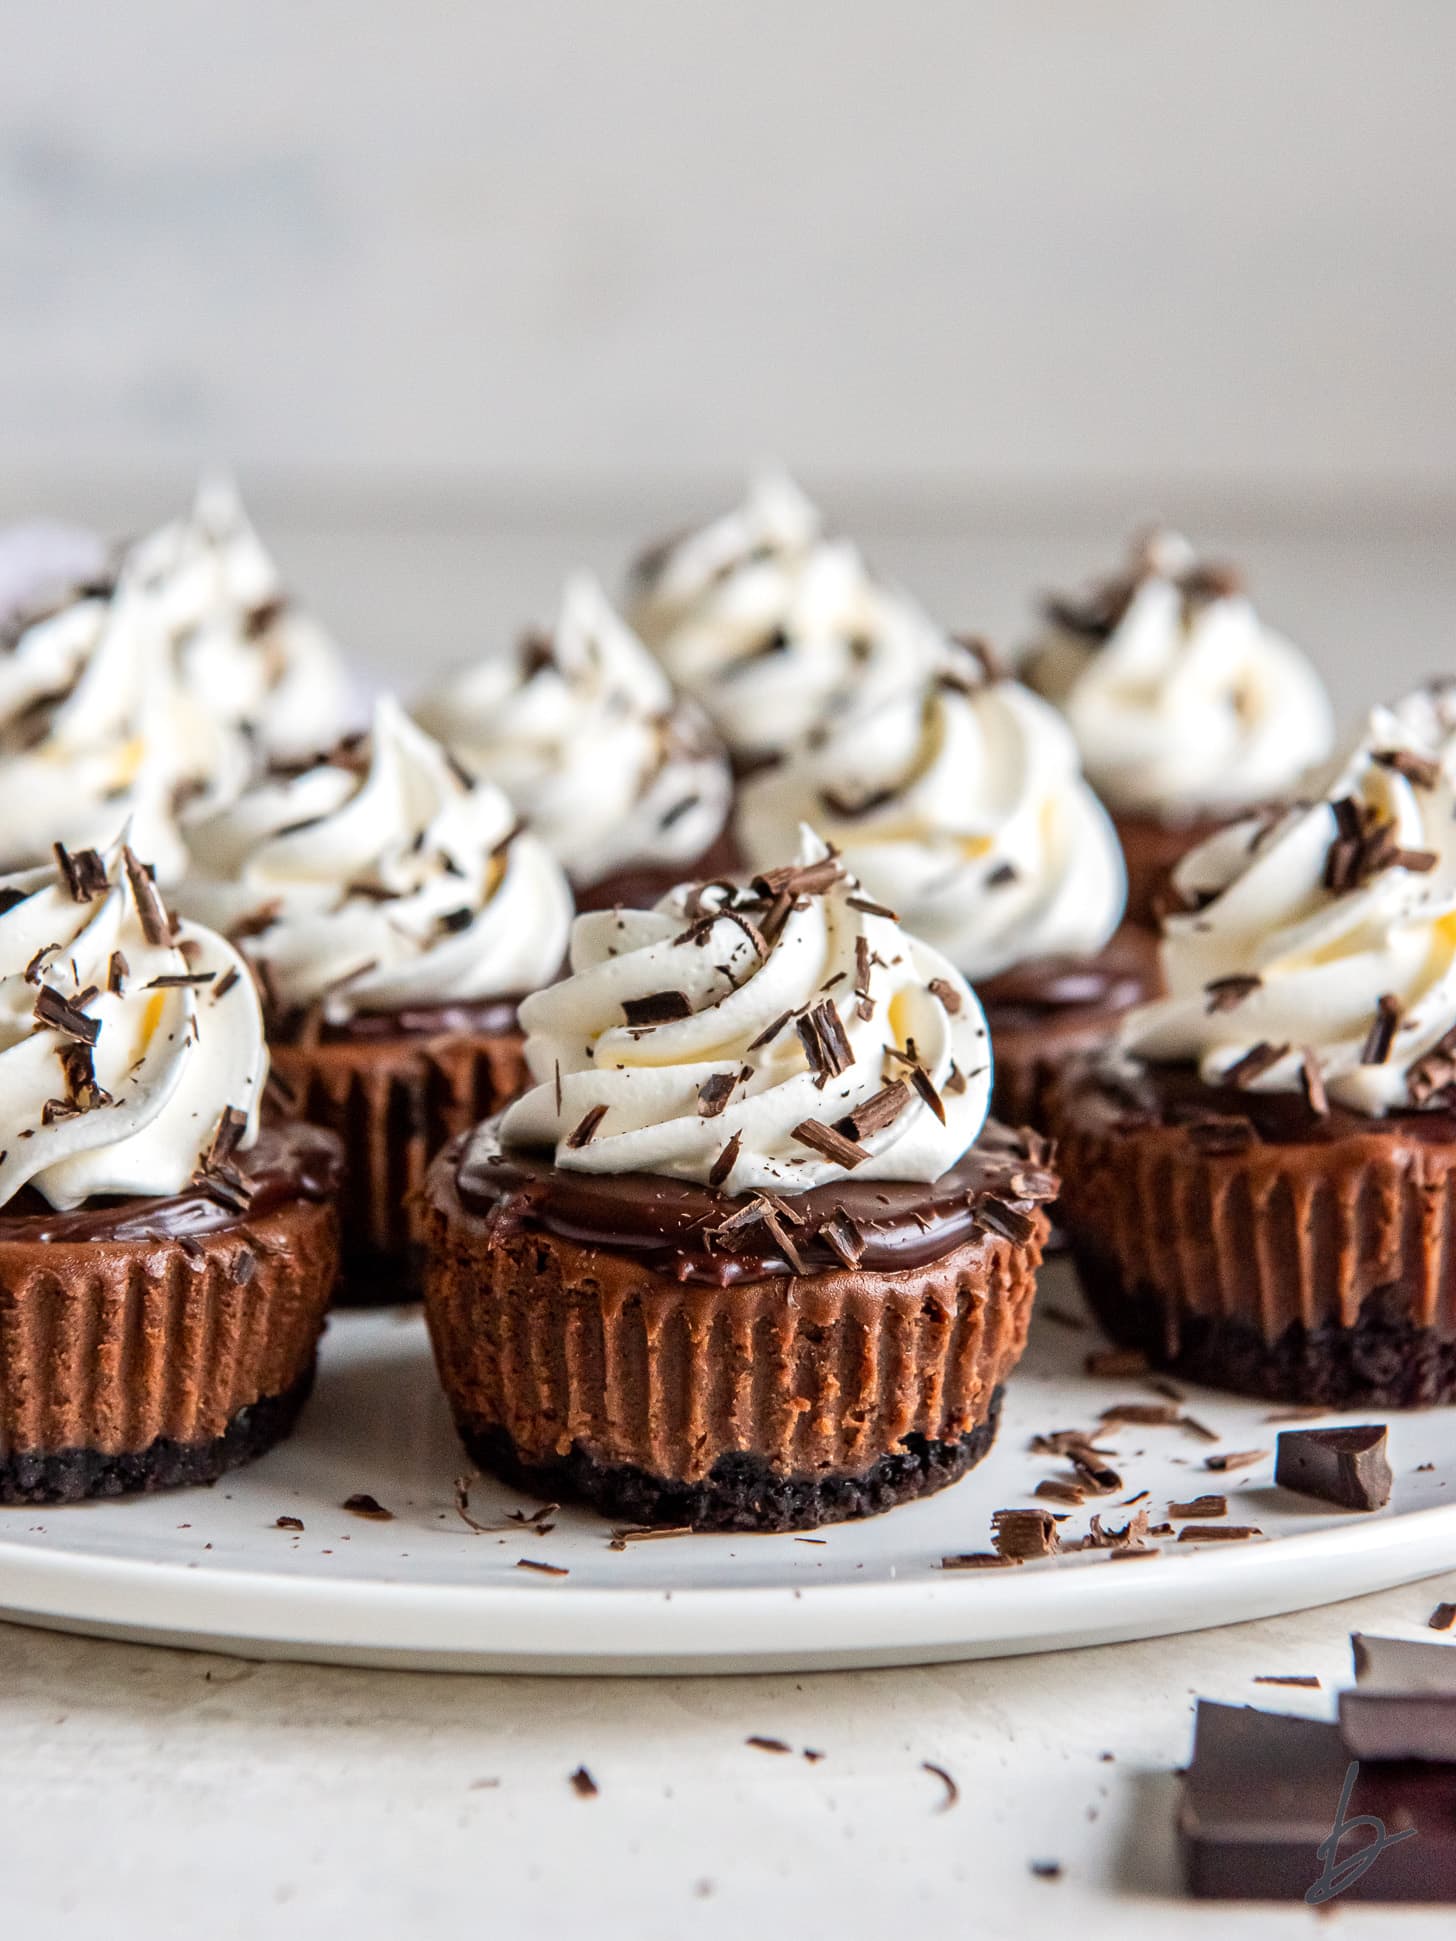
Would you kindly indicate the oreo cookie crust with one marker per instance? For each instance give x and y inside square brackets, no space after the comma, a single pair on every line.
[741,1492]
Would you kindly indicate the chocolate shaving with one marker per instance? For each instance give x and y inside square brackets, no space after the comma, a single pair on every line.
[1200,1506]
[1431,1076]
[1235,1459]
[714,1093]
[288,1523]
[978,1560]
[546,1570]
[585,1131]
[761,1742]
[1218,1532]
[840,1234]
[950,997]
[799,879]
[1223,993]
[1006,1220]
[723,1165]
[782,1239]
[1305,1678]
[85,873]
[1255,1062]
[770,1031]
[867,907]
[880,1109]
[62,1015]
[1381,1036]
[78,1064]
[225,1141]
[920,1079]
[55,1110]
[1024,1533]
[1364,845]
[658,1007]
[862,966]
[1152,1415]
[1417,769]
[178,980]
[831,1144]
[362,1504]
[825,1045]
[117,972]
[1058,1491]
[151,912]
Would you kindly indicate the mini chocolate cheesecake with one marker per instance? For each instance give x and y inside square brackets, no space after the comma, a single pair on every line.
[166,1266]
[391,910]
[1190,711]
[148,1342]
[731,1265]
[1049,1013]
[674,1354]
[1259,1189]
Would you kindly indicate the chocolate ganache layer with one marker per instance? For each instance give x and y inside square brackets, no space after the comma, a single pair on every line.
[1131,1095]
[288,1163]
[692,1232]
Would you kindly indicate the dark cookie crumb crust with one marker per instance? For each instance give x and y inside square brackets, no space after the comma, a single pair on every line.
[741,1492]
[76,1475]
[1382,1361]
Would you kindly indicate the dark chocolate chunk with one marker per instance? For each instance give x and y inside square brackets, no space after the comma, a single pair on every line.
[1346,1466]
[1404,1702]
[1265,1799]
[1442,1618]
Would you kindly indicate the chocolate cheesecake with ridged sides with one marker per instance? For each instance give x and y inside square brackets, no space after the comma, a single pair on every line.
[165,1265]
[748,1255]
[1260,1186]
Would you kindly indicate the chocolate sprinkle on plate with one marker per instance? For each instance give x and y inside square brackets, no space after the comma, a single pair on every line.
[1024,1533]
[1442,1618]
[546,1570]
[1218,1532]
[583,1785]
[952,1791]
[1200,1506]
[288,1523]
[362,1504]
[1235,1459]
[762,1743]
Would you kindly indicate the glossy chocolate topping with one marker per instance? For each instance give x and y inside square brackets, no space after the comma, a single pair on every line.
[1175,1095]
[695,1233]
[289,1162]
[1122,974]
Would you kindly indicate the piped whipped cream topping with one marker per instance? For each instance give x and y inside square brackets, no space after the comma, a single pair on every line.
[244,650]
[1317,950]
[97,731]
[773,625]
[581,729]
[1182,701]
[961,803]
[132,1058]
[775,1037]
[379,878]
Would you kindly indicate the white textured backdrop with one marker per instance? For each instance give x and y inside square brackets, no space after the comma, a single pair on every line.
[936,242]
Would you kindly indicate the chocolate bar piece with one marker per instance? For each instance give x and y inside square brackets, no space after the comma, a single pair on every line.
[1343,1466]
[1404,1702]
[1265,1800]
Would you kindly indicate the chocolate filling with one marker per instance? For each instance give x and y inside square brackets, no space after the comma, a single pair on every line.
[288,1163]
[689,1232]
[1028,992]
[1175,1095]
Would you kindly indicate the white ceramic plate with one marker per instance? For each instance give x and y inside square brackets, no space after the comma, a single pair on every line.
[211,1568]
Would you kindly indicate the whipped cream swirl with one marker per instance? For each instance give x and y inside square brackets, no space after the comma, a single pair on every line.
[131,1048]
[777,1037]
[379,878]
[773,625]
[1182,701]
[582,731]
[244,651]
[97,731]
[961,803]
[1318,951]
